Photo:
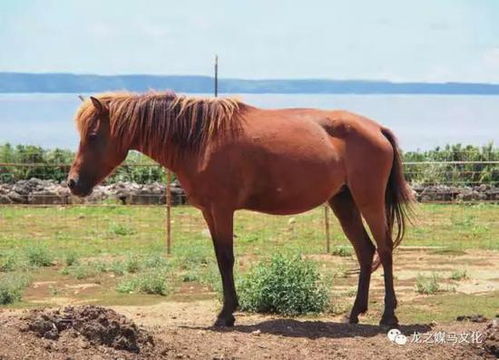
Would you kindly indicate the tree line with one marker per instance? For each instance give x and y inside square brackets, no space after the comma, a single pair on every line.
[441,165]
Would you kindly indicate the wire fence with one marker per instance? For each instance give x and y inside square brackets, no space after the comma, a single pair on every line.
[34,197]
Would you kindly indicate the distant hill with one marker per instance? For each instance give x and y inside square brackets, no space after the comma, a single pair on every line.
[72,83]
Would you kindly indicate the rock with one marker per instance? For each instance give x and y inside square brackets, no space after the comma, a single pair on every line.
[36,191]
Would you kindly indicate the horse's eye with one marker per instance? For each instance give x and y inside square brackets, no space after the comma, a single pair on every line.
[92,137]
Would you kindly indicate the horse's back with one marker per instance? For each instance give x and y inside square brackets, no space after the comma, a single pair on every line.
[284,161]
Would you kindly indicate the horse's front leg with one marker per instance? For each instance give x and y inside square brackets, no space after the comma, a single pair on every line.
[220,223]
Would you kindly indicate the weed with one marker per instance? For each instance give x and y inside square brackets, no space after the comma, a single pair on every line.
[121,230]
[286,285]
[459,275]
[12,286]
[39,255]
[427,285]
[151,282]
[71,258]
[342,250]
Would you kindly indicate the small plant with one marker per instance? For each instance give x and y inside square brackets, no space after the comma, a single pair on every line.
[71,258]
[154,262]
[427,285]
[80,271]
[342,250]
[11,287]
[39,255]
[121,230]
[147,283]
[284,285]
[459,275]
[132,264]
[117,268]
[9,262]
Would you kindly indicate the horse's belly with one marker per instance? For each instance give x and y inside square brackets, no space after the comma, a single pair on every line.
[296,192]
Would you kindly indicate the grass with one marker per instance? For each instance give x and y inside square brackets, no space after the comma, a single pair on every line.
[12,286]
[39,255]
[427,285]
[123,247]
[150,282]
[445,307]
[342,250]
[458,275]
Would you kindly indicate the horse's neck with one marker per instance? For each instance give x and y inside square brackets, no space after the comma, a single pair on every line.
[164,155]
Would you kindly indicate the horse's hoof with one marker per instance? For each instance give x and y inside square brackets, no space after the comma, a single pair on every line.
[353,320]
[225,321]
[389,322]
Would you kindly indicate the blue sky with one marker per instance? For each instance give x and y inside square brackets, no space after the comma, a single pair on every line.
[399,40]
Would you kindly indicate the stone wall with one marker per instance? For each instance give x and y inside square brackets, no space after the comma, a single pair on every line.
[39,192]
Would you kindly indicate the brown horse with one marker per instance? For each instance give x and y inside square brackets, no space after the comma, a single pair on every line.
[229,156]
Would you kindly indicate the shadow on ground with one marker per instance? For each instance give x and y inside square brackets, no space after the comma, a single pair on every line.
[315,329]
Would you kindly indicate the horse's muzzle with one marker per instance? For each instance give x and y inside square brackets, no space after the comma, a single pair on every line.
[78,187]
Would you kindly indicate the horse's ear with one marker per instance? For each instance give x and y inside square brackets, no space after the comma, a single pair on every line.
[100,107]
[81,98]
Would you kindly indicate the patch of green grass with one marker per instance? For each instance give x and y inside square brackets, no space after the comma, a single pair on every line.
[445,307]
[342,250]
[12,286]
[81,271]
[287,285]
[121,230]
[459,275]
[427,285]
[71,258]
[39,255]
[132,264]
[11,261]
[150,282]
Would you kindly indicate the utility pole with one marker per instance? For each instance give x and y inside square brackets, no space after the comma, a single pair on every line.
[216,75]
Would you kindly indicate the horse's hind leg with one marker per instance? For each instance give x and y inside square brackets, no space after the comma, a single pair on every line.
[349,216]
[370,199]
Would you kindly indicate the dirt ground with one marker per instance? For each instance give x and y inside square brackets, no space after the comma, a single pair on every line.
[169,331]
[178,326]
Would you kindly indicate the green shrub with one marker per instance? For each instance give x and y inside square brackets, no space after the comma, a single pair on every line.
[132,264]
[80,271]
[342,250]
[284,285]
[71,258]
[151,282]
[459,275]
[154,261]
[39,255]
[117,267]
[10,262]
[121,230]
[427,284]
[11,287]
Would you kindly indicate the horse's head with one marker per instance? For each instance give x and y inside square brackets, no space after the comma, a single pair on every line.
[99,153]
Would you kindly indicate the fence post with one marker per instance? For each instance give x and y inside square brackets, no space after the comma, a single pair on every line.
[326,226]
[168,213]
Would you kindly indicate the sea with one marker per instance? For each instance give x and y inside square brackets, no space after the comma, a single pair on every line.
[421,122]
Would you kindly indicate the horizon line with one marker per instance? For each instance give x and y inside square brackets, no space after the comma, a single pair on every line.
[257,79]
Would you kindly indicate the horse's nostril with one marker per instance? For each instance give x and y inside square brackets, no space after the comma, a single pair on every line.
[71,183]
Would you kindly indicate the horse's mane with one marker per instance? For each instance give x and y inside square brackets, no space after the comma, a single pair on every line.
[156,119]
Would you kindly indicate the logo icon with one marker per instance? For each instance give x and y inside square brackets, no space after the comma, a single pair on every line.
[396,337]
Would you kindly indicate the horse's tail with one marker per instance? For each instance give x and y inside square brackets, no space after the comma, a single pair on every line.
[398,197]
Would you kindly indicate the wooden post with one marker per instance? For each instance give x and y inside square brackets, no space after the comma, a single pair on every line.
[326,226]
[168,213]
[216,75]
